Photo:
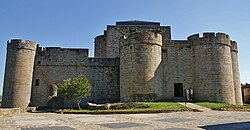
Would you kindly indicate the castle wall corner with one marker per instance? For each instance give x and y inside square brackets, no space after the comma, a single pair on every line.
[18,73]
[213,69]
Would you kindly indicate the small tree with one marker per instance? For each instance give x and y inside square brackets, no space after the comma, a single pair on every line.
[75,89]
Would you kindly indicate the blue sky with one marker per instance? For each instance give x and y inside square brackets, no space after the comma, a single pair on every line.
[75,23]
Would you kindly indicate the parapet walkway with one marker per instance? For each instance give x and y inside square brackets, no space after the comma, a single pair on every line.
[194,106]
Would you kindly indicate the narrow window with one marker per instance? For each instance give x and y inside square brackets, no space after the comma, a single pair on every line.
[37,82]
[38,62]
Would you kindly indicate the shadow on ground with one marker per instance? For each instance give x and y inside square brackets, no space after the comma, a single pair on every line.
[228,126]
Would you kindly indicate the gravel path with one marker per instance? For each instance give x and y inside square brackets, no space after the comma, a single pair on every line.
[209,120]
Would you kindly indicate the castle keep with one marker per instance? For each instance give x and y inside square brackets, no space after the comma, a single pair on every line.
[133,61]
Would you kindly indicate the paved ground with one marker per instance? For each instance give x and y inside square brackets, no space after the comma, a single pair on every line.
[210,120]
[194,106]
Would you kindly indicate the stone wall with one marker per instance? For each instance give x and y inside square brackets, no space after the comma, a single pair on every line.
[61,56]
[6,112]
[236,73]
[140,58]
[100,46]
[245,92]
[115,33]
[208,65]
[58,64]
[212,68]
[134,60]
[176,66]
[18,73]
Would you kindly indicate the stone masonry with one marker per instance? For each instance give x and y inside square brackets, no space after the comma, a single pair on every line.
[133,61]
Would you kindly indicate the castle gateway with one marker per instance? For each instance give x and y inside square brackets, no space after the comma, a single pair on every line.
[133,61]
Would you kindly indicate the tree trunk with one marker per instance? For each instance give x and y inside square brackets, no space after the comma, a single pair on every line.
[78,104]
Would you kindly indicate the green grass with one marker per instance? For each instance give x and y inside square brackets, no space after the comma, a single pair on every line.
[154,107]
[164,105]
[218,106]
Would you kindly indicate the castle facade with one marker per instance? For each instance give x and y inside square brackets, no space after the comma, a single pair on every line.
[133,61]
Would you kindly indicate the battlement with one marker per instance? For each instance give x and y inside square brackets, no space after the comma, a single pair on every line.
[133,61]
[61,56]
[210,37]
[193,37]
[234,46]
[140,37]
[20,44]
[15,41]
[63,51]
[222,38]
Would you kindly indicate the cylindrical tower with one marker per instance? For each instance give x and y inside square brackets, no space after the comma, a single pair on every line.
[18,73]
[100,46]
[140,58]
[213,74]
[236,73]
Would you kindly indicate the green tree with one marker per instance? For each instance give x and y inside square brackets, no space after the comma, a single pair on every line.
[75,89]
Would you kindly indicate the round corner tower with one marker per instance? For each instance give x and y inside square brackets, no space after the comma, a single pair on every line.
[140,58]
[213,73]
[236,73]
[18,73]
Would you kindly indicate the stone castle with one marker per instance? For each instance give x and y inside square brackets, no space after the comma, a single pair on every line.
[133,61]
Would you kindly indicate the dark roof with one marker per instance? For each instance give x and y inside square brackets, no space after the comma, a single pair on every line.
[137,23]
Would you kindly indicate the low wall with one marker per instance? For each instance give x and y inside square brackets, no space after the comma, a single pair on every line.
[14,111]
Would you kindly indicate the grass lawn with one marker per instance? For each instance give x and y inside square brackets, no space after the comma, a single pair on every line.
[153,107]
[218,106]
[164,105]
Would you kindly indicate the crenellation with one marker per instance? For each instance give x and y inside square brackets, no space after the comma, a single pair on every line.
[194,37]
[20,44]
[39,49]
[209,35]
[62,56]
[18,73]
[210,38]
[133,61]
[15,41]
[233,46]
[116,33]
[223,38]
[236,73]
